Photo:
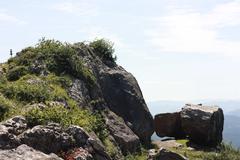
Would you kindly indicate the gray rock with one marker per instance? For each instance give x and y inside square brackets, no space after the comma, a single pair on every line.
[124,97]
[25,152]
[168,124]
[97,149]
[79,134]
[164,154]
[16,125]
[124,136]
[48,139]
[7,140]
[79,154]
[203,124]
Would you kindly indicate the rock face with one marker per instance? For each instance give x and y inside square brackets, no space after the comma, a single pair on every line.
[48,139]
[124,136]
[118,91]
[42,140]
[25,152]
[203,124]
[168,124]
[123,96]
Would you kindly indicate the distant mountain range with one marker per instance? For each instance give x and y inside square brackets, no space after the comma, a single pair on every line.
[231,110]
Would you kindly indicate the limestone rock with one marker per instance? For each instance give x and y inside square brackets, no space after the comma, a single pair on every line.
[7,140]
[25,152]
[168,124]
[16,125]
[203,124]
[124,136]
[48,139]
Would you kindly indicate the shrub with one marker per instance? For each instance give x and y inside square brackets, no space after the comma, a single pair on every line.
[22,90]
[66,117]
[4,107]
[16,73]
[104,49]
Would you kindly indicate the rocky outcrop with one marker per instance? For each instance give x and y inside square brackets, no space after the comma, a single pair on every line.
[164,154]
[124,136]
[117,90]
[203,125]
[123,96]
[168,124]
[25,152]
[47,139]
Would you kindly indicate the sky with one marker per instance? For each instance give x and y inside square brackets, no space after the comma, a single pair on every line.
[177,50]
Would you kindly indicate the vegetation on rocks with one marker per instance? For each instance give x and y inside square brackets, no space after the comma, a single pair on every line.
[223,152]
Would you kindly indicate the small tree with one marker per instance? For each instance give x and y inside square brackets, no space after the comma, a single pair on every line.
[104,49]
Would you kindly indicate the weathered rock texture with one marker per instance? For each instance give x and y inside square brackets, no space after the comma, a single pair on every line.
[42,140]
[168,124]
[124,136]
[25,152]
[117,90]
[203,125]
[164,154]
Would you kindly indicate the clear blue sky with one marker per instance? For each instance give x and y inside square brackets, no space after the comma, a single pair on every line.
[177,50]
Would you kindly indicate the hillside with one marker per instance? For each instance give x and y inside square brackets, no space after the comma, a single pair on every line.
[72,101]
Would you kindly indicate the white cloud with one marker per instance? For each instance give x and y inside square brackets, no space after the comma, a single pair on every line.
[190,31]
[77,8]
[5,18]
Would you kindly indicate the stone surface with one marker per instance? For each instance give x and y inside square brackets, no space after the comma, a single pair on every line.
[203,124]
[7,140]
[78,154]
[168,144]
[164,154]
[124,136]
[48,139]
[168,124]
[16,125]
[124,97]
[25,152]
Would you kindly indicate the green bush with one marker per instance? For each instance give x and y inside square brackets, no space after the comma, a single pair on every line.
[16,72]
[22,90]
[59,58]
[104,49]
[66,117]
[4,107]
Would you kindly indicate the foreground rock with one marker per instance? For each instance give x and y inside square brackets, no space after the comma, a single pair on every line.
[25,152]
[124,136]
[42,140]
[203,124]
[168,124]
[164,154]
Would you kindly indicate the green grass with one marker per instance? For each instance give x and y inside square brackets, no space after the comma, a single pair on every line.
[225,152]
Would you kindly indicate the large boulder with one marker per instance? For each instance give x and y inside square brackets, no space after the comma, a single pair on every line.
[124,97]
[203,124]
[124,136]
[25,152]
[168,124]
[48,139]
